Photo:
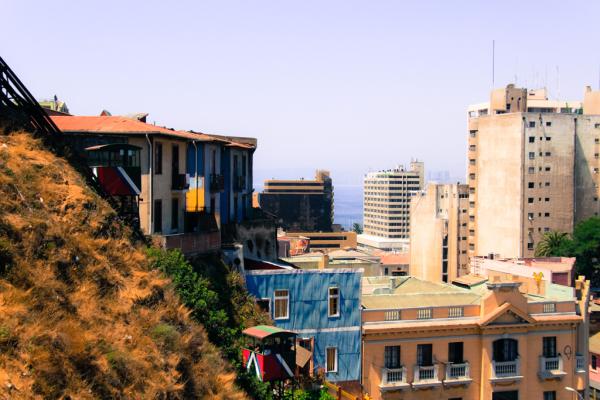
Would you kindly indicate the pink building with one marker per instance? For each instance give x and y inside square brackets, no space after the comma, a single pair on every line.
[594,366]
[558,270]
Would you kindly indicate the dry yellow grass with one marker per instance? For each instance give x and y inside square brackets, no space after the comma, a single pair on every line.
[81,315]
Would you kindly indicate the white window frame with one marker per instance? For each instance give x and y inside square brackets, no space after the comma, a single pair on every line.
[327,360]
[287,299]
[329,297]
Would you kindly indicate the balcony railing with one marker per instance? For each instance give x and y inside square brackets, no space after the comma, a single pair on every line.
[426,376]
[393,376]
[580,363]
[217,182]
[551,367]
[457,371]
[505,369]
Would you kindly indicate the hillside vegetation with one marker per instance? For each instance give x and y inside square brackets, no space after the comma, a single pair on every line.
[82,312]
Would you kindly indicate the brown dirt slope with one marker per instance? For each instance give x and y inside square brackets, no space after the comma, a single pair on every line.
[81,314]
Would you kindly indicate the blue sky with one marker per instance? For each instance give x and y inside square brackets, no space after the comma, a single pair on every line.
[348,85]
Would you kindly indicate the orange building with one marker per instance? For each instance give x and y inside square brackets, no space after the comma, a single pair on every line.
[484,340]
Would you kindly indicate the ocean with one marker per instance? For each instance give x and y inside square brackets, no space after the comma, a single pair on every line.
[348,204]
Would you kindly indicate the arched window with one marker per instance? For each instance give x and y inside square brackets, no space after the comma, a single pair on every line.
[506,350]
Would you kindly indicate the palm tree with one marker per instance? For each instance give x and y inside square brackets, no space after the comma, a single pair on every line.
[551,244]
[357,228]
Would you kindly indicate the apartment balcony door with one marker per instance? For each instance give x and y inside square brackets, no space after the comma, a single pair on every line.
[508,395]
[506,350]
[424,355]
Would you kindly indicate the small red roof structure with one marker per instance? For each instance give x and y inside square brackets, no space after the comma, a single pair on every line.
[263,331]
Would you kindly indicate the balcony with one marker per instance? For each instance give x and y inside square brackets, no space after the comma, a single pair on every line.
[217,183]
[551,368]
[179,182]
[393,379]
[506,371]
[580,364]
[239,183]
[457,374]
[426,377]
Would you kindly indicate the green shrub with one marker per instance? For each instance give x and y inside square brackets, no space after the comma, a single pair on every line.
[166,335]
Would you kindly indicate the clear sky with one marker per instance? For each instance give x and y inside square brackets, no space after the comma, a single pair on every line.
[345,85]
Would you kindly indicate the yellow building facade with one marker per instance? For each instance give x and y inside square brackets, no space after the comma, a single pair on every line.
[488,341]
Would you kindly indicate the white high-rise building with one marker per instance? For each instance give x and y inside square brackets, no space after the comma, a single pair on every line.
[386,207]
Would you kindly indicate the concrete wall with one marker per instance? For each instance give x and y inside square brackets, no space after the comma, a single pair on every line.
[436,214]
[161,184]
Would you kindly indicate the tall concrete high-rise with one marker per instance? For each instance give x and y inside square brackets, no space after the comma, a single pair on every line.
[300,205]
[533,167]
[386,209]
[438,232]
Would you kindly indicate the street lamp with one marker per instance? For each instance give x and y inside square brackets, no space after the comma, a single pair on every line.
[570,389]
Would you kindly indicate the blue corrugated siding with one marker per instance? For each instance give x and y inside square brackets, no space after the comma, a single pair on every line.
[308,311]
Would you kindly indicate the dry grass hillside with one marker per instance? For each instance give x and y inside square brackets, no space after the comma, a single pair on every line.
[81,314]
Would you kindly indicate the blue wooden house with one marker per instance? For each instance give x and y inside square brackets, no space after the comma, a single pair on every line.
[323,308]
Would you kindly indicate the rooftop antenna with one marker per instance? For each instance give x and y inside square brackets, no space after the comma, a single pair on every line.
[493,62]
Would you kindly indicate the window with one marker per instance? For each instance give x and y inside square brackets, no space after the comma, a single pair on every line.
[158,158]
[597,140]
[550,395]
[530,216]
[531,139]
[547,184]
[549,346]
[424,313]
[456,312]
[282,304]
[531,155]
[174,214]
[393,315]
[455,352]
[548,154]
[505,350]
[547,199]
[531,170]
[549,307]
[530,200]
[594,361]
[392,357]
[157,216]
[548,123]
[548,138]
[334,302]
[331,359]
[547,168]
[532,124]
[264,305]
[530,185]
[530,246]
[546,214]
[424,355]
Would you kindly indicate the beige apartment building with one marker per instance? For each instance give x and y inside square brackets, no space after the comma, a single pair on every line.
[438,232]
[533,167]
[386,207]
[486,340]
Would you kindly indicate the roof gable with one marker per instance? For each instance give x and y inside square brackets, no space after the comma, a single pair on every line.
[506,314]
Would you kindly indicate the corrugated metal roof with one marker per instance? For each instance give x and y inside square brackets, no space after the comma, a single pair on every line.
[263,331]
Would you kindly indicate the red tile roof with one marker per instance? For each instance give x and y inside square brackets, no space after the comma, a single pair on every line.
[121,125]
[395,259]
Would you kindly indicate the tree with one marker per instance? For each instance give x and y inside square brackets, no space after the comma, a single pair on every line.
[552,244]
[356,227]
[585,246]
